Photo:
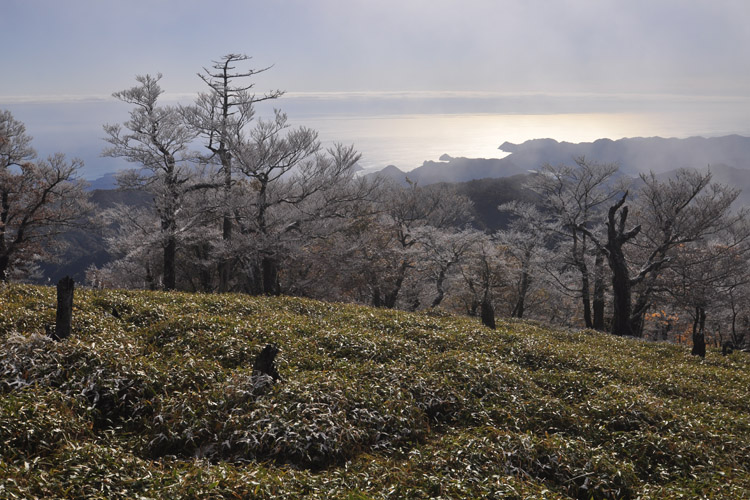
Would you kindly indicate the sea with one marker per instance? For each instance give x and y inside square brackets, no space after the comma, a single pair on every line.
[406,131]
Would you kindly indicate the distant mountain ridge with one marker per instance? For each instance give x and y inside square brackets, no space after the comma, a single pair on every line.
[634,155]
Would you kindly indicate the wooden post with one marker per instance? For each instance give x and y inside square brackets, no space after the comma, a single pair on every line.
[64,316]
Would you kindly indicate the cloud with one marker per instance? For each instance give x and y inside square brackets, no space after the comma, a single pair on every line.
[52,99]
[166,98]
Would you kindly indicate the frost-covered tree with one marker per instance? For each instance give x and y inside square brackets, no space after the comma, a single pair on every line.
[287,186]
[156,138]
[38,198]
[222,116]
[572,198]
[523,250]
[483,278]
[440,252]
[407,213]
[668,214]
[134,238]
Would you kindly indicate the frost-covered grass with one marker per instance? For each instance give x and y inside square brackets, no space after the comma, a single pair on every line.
[153,398]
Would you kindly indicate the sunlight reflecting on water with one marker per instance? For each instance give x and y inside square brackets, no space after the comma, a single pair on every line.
[400,132]
[408,140]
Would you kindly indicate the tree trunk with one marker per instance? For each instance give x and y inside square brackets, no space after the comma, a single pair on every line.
[473,308]
[170,257]
[4,263]
[4,255]
[666,329]
[440,291]
[579,260]
[150,278]
[64,316]
[169,226]
[699,338]
[225,267]
[488,313]
[585,295]
[640,307]
[621,324]
[621,285]
[377,300]
[204,273]
[523,289]
[391,297]
[598,323]
[637,323]
[270,272]
[517,311]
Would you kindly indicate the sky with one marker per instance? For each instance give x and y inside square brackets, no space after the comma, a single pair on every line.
[670,67]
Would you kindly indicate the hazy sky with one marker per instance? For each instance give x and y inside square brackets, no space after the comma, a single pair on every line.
[93,47]
[392,56]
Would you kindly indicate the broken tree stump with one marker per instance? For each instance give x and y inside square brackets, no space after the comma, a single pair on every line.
[265,362]
[64,318]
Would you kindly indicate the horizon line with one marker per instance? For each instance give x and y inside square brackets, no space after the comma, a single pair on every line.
[343,95]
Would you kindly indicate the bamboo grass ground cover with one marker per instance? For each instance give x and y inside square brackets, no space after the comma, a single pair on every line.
[153,397]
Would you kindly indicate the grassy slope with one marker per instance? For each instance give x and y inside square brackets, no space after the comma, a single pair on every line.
[159,403]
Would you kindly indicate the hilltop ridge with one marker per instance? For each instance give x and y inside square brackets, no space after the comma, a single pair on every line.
[634,155]
[154,396]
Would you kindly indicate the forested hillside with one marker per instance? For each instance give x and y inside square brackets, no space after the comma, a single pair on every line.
[263,208]
[154,396]
[86,247]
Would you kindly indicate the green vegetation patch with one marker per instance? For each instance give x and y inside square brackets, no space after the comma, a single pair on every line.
[154,397]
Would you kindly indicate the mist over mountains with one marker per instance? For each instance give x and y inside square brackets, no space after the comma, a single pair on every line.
[728,158]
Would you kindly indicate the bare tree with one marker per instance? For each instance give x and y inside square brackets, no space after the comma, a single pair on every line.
[156,138]
[681,210]
[440,251]
[706,278]
[482,276]
[574,197]
[134,237]
[221,116]
[736,292]
[38,199]
[288,185]
[522,246]
[405,212]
